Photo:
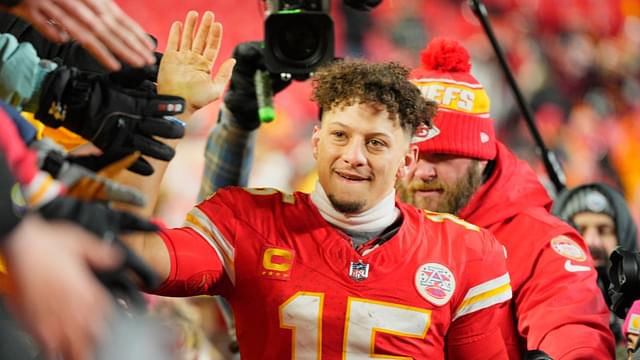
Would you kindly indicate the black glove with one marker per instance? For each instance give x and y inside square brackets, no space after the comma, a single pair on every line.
[624,288]
[110,116]
[240,99]
[72,54]
[362,5]
[95,217]
[107,223]
[10,3]
[143,78]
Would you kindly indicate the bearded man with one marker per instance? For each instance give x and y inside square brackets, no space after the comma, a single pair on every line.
[464,170]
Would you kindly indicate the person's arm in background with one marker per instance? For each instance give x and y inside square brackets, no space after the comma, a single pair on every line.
[99,25]
[228,155]
[230,145]
[185,71]
[54,261]
[70,53]
[560,308]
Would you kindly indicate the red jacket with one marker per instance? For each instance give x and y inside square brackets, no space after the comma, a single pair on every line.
[557,306]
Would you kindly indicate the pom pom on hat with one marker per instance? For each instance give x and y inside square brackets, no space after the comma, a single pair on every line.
[462,125]
[445,55]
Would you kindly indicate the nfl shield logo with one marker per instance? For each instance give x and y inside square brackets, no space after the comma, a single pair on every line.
[359,271]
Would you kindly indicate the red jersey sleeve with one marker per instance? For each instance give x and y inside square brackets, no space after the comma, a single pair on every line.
[202,252]
[560,308]
[474,331]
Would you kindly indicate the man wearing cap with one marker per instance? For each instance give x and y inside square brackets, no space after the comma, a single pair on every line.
[602,217]
[464,170]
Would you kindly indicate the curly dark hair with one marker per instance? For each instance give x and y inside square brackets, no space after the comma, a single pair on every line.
[345,83]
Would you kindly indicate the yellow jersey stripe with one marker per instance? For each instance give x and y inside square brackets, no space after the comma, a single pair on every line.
[484,300]
[487,286]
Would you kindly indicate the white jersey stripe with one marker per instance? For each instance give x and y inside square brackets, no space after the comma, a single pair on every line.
[204,219]
[201,224]
[228,268]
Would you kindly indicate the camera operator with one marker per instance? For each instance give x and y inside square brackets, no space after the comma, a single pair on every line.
[602,217]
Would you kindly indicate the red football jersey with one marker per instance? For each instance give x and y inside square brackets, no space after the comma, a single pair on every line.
[300,291]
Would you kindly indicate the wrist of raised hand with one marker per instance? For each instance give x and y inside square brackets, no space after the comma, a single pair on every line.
[229,119]
[244,109]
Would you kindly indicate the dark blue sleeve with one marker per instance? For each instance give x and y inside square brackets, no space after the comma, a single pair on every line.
[27,131]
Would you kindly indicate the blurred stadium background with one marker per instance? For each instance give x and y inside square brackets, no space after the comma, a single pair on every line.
[578,64]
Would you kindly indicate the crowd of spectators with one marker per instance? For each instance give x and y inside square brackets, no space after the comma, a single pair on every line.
[578,65]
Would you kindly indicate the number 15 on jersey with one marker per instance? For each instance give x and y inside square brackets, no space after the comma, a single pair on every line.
[303,312]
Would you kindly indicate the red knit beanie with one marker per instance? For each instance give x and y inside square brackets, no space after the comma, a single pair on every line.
[462,125]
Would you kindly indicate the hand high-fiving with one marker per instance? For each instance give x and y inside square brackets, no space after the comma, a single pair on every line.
[186,66]
[100,26]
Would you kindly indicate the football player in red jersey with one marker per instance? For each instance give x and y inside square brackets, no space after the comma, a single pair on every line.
[346,272]
[462,169]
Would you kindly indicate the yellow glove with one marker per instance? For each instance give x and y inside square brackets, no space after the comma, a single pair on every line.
[62,136]
[6,283]
[99,186]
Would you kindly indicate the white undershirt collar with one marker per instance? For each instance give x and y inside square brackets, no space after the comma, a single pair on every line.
[376,219]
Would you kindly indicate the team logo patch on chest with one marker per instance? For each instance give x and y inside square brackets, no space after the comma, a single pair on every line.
[435,283]
[568,248]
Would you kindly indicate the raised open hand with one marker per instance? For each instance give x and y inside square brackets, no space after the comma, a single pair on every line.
[186,66]
[100,26]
